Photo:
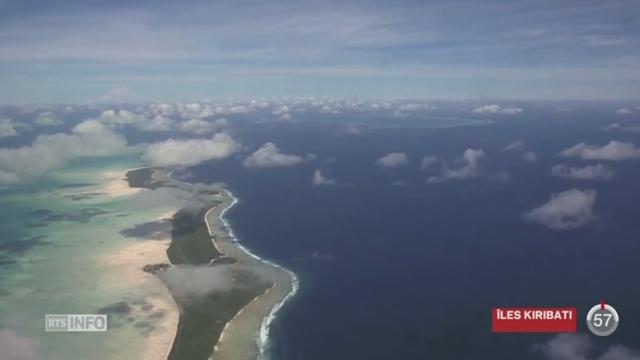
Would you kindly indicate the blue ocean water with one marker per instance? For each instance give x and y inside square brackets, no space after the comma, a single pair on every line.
[394,268]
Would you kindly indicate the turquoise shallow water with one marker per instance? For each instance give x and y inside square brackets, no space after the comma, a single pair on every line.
[58,238]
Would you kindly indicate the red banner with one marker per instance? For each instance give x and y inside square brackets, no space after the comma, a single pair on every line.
[534,320]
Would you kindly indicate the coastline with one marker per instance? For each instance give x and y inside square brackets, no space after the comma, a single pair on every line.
[249,328]
[128,261]
[245,333]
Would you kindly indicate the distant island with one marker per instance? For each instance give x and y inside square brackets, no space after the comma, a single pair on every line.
[230,322]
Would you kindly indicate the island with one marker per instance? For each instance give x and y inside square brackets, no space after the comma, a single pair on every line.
[233,295]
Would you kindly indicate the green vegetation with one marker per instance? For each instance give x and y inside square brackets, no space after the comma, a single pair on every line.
[201,323]
[190,241]
[143,178]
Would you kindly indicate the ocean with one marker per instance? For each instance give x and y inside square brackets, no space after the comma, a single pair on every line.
[394,267]
[393,262]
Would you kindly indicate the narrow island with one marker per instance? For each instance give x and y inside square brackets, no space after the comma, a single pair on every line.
[226,295]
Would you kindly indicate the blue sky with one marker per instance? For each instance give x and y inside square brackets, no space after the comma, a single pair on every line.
[78,51]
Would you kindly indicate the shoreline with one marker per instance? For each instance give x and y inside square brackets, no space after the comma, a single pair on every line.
[247,320]
[262,336]
[128,262]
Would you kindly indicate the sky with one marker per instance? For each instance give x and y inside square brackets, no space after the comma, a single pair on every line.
[71,51]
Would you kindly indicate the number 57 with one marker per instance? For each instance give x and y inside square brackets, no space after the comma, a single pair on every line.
[598,321]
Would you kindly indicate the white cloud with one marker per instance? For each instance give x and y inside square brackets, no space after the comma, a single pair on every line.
[191,284]
[116,118]
[516,145]
[281,110]
[613,151]
[428,161]
[47,118]
[530,156]
[581,347]
[268,155]
[157,123]
[623,111]
[590,172]
[567,210]
[6,128]
[163,109]
[319,178]
[286,116]
[469,167]
[619,127]
[497,109]
[120,118]
[394,159]
[519,146]
[190,152]
[87,139]
[566,347]
[200,126]
[195,110]
[116,94]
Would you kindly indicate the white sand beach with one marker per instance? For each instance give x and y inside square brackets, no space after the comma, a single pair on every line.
[117,184]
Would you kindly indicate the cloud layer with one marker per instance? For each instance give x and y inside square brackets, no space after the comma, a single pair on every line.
[87,139]
[613,151]
[497,109]
[190,152]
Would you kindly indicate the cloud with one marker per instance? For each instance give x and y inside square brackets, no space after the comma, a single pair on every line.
[469,167]
[116,94]
[200,126]
[613,151]
[87,139]
[47,118]
[283,112]
[566,347]
[190,152]
[519,146]
[120,118]
[394,159]
[268,155]
[16,347]
[581,347]
[567,210]
[623,111]
[319,178]
[590,172]
[190,284]
[516,145]
[157,123]
[617,126]
[530,156]
[497,109]
[428,161]
[117,118]
[351,129]
[6,128]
